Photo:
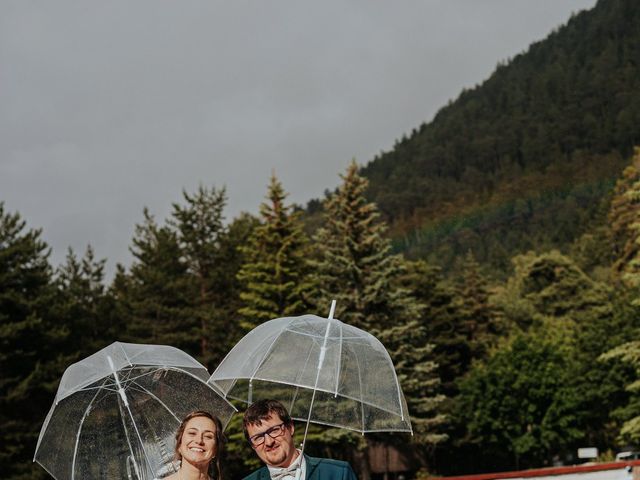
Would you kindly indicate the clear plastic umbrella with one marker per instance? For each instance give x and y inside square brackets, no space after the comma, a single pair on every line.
[323,370]
[116,413]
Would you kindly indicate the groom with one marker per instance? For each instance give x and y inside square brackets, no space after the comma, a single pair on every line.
[269,430]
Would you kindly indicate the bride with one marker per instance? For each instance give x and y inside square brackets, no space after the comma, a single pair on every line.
[199,443]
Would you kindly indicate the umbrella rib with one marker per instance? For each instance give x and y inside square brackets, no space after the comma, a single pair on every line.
[47,470]
[195,377]
[275,339]
[122,398]
[259,364]
[307,334]
[350,397]
[321,337]
[398,388]
[215,388]
[210,382]
[297,384]
[42,431]
[353,429]
[157,369]
[80,387]
[339,366]
[143,374]
[360,390]
[124,352]
[100,388]
[155,397]
[75,447]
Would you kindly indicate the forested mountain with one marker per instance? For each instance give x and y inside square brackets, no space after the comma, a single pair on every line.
[525,159]
[511,323]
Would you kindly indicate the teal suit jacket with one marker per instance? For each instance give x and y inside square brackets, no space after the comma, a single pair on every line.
[317,469]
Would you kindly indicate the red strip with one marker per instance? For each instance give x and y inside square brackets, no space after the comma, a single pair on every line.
[551,471]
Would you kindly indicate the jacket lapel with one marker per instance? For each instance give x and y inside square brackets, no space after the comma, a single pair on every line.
[264,474]
[312,464]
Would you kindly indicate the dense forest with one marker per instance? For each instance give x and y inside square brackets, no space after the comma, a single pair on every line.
[495,252]
[524,160]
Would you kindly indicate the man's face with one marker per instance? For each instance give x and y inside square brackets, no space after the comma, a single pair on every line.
[275,452]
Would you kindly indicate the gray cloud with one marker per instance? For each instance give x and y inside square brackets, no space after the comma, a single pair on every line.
[112,106]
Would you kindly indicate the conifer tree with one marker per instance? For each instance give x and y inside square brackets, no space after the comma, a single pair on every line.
[30,343]
[274,272]
[412,354]
[624,222]
[355,266]
[181,288]
[441,319]
[200,231]
[475,311]
[236,236]
[629,352]
[84,305]
[155,296]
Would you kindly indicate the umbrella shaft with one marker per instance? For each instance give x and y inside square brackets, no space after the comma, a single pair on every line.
[123,396]
[323,351]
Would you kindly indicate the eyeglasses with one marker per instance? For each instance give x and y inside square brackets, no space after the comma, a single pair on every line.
[273,432]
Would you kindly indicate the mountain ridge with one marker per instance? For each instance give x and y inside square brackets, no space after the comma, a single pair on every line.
[563,116]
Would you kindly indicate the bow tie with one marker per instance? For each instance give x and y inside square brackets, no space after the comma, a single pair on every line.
[281,473]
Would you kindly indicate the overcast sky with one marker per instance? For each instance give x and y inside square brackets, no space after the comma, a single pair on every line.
[108,107]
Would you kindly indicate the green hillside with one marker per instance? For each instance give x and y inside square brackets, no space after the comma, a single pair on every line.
[525,159]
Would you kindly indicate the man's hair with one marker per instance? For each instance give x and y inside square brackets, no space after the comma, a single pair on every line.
[261,410]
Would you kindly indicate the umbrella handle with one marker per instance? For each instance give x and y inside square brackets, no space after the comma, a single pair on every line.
[131,461]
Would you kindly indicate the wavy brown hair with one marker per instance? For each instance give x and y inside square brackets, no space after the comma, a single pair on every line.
[220,440]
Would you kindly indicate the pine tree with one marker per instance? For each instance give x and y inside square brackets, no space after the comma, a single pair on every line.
[475,312]
[155,297]
[200,230]
[412,353]
[629,352]
[236,236]
[441,320]
[274,273]
[355,266]
[84,305]
[624,222]
[30,342]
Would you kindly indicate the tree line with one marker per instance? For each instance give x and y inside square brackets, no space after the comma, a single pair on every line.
[499,372]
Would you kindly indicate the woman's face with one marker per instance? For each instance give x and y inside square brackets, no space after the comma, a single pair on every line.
[198,444]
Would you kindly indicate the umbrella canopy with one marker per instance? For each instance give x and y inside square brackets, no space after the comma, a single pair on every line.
[116,413]
[323,370]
